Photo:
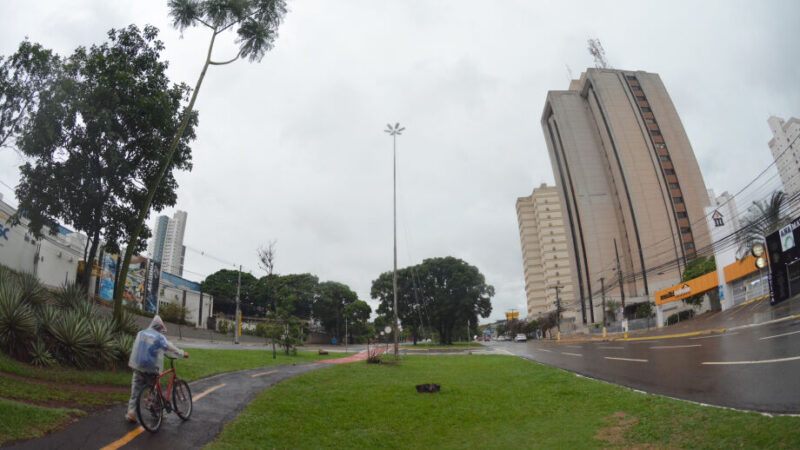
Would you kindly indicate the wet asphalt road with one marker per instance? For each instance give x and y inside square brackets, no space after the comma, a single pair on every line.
[210,414]
[755,368]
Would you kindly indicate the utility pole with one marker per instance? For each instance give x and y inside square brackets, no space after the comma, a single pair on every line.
[394,132]
[603,294]
[469,336]
[238,319]
[558,307]
[619,276]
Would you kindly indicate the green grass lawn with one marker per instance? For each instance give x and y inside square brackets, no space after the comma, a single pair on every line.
[434,345]
[202,363]
[47,394]
[20,421]
[488,401]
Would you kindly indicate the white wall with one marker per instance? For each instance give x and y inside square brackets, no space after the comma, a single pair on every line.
[169,294]
[54,258]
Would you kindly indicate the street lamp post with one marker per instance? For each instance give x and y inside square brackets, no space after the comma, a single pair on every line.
[394,131]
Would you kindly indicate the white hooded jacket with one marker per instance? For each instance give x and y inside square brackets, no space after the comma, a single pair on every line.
[147,354]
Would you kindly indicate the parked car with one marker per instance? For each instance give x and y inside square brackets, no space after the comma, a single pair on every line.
[520,338]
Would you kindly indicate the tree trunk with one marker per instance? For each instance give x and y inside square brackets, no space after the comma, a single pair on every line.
[87,273]
[145,209]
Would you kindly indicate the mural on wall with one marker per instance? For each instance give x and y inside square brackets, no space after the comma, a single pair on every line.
[151,288]
[108,271]
[136,282]
[4,229]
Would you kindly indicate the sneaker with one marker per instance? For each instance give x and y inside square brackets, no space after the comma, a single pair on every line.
[130,416]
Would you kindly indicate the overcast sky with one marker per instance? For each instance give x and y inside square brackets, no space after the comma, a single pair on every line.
[292,148]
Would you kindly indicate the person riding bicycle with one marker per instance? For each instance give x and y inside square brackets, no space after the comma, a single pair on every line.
[147,360]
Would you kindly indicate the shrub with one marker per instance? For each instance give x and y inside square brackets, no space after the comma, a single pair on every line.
[33,293]
[122,346]
[126,324]
[224,326]
[17,320]
[173,312]
[100,340]
[40,355]
[73,342]
[70,295]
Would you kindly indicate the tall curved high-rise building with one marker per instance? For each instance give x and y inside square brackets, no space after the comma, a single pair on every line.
[630,188]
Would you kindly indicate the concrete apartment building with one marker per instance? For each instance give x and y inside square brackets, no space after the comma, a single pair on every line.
[629,184]
[166,245]
[785,149]
[545,258]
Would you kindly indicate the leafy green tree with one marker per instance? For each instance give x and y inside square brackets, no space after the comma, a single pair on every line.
[222,286]
[96,140]
[23,77]
[410,308]
[698,267]
[611,309]
[765,218]
[296,295]
[329,307]
[357,314]
[447,290]
[256,23]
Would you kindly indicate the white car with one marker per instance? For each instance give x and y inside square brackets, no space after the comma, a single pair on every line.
[520,338]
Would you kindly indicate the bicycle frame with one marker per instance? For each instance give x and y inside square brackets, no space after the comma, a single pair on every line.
[157,382]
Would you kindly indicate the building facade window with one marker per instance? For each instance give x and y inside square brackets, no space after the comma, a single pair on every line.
[681,214]
[664,158]
[674,186]
[677,199]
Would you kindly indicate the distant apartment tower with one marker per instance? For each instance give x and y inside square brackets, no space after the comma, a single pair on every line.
[156,247]
[630,186]
[785,150]
[544,253]
[166,246]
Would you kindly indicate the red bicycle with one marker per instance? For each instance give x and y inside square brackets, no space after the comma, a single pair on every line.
[152,404]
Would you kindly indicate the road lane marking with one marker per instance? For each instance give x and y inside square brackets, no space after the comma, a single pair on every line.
[544,350]
[713,336]
[612,348]
[574,346]
[779,335]
[132,434]
[763,361]
[626,359]
[571,354]
[675,346]
[263,373]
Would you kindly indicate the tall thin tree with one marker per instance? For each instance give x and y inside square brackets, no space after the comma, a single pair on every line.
[256,23]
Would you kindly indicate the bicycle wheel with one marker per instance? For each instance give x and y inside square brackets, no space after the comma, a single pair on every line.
[150,408]
[182,399]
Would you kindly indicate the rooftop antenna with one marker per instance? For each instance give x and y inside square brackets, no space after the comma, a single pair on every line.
[596,50]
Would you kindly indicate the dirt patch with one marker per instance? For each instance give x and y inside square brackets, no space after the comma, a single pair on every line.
[614,432]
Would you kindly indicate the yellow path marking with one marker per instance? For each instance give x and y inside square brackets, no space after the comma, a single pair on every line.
[132,434]
[123,440]
[208,391]
[626,359]
[263,373]
[763,361]
[670,336]
[714,336]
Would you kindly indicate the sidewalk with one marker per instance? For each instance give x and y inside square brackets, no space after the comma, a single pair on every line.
[747,314]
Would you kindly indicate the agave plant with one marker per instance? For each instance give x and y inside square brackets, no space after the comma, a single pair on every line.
[86,309]
[101,340]
[46,316]
[40,355]
[122,346]
[125,324]
[33,293]
[17,320]
[71,334]
[69,296]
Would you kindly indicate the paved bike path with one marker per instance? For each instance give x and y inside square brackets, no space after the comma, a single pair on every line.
[217,400]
